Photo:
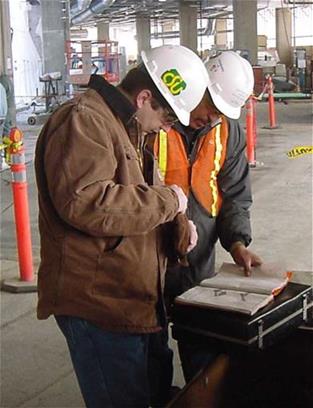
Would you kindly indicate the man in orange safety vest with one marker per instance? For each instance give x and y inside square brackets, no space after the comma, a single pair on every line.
[207,159]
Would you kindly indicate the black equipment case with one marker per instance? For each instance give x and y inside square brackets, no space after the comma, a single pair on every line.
[292,308]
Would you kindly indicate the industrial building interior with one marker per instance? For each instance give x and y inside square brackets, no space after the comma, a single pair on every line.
[48,51]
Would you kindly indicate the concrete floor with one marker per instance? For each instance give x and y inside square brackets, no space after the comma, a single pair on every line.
[35,366]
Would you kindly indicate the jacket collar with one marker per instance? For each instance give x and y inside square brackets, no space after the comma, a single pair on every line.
[191,136]
[195,133]
[117,102]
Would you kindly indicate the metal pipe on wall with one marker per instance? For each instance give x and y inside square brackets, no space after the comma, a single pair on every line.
[302,3]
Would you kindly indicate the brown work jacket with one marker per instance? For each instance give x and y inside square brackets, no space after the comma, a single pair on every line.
[101,256]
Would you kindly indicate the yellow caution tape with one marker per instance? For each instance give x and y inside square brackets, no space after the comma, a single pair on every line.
[298,151]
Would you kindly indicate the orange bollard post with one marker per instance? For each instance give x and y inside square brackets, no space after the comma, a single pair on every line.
[271,104]
[250,131]
[21,213]
[254,102]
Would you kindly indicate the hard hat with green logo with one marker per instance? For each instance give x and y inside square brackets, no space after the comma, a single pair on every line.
[231,82]
[180,76]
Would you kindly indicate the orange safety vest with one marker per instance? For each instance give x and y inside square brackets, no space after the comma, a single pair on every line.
[201,176]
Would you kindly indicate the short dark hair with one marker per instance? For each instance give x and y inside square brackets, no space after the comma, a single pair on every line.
[138,79]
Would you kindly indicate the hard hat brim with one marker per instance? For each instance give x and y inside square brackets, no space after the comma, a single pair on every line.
[224,108]
[183,117]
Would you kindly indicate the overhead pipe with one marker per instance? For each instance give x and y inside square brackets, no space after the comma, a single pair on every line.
[208,30]
[76,6]
[174,34]
[95,7]
[129,14]
[302,3]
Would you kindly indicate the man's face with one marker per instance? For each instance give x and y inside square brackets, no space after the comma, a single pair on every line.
[152,118]
[204,113]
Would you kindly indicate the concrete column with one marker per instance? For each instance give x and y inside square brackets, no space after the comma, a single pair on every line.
[6,63]
[245,27]
[103,34]
[55,32]
[221,34]
[6,66]
[283,35]
[188,25]
[103,31]
[143,30]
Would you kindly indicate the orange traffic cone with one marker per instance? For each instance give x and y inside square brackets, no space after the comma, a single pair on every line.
[21,211]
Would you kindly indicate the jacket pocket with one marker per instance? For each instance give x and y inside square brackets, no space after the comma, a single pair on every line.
[112,244]
[130,153]
[128,271]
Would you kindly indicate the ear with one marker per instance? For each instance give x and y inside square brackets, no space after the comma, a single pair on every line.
[143,96]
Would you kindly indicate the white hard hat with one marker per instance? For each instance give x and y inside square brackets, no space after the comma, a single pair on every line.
[231,82]
[179,75]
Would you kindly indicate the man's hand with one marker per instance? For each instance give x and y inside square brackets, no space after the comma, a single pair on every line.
[193,236]
[182,199]
[243,257]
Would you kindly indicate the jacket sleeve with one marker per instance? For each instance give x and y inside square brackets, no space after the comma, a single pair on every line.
[80,163]
[233,221]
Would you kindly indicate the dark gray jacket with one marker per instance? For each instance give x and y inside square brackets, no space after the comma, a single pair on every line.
[233,221]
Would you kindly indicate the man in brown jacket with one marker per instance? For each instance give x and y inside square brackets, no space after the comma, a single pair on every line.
[102,262]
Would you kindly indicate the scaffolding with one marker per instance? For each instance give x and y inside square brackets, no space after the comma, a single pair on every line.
[84,58]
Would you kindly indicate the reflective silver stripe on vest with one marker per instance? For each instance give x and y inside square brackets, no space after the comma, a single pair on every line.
[17,158]
[19,177]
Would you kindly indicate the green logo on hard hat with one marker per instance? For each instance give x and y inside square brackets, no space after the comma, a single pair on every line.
[173,81]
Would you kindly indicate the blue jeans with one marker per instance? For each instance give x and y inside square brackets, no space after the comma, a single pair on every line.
[160,368]
[111,368]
